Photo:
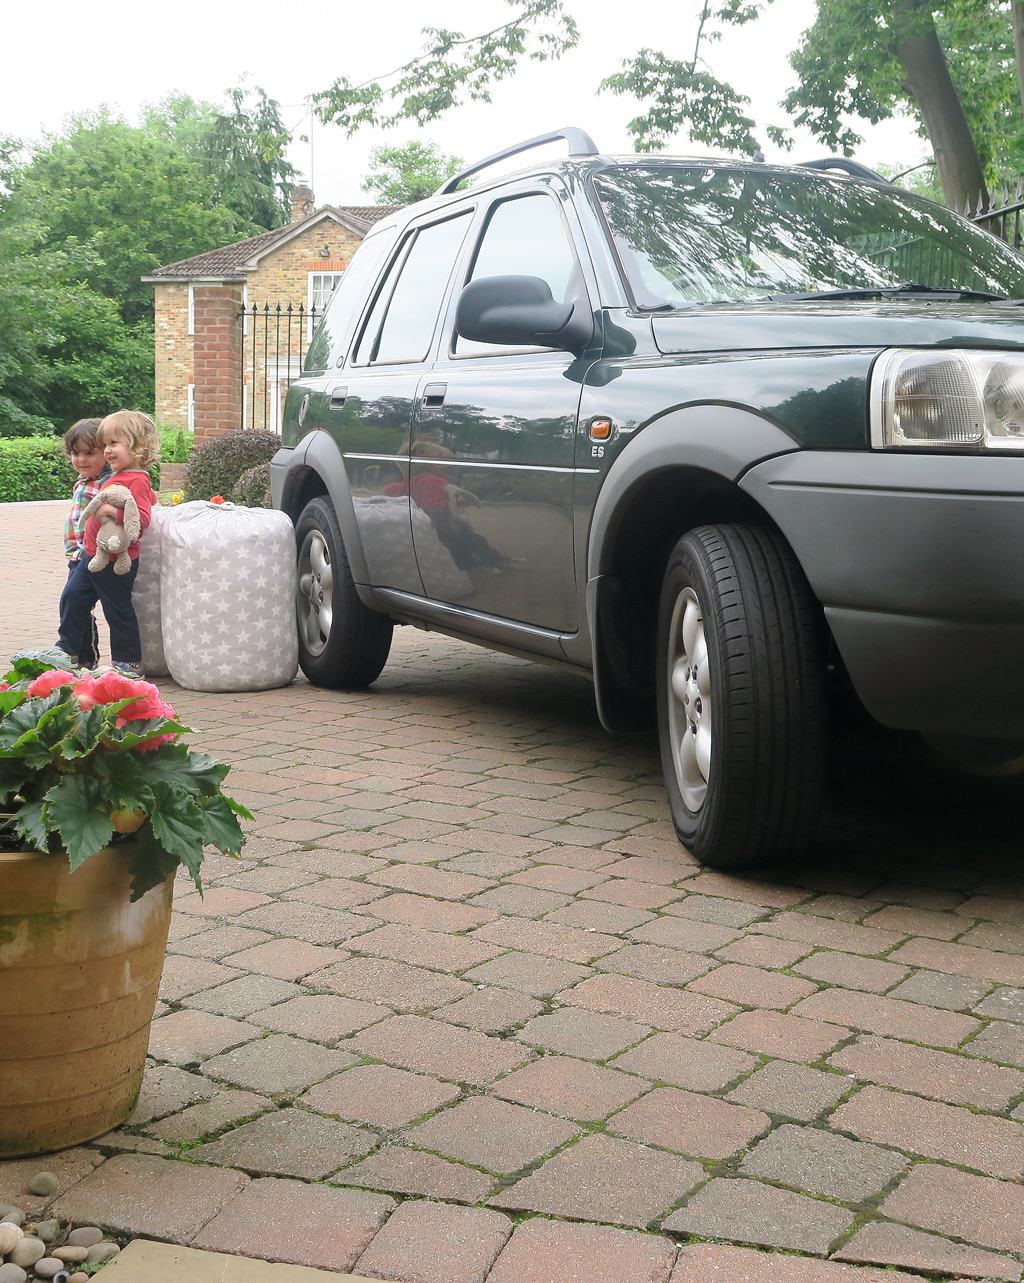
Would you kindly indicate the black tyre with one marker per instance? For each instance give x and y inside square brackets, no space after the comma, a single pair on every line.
[342,643]
[741,696]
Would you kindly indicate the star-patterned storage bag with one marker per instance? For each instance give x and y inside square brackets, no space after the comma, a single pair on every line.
[146,595]
[227,597]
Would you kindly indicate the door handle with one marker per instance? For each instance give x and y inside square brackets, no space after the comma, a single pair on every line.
[433,396]
[338,396]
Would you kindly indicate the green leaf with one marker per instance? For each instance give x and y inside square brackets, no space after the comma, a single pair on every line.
[85,736]
[13,776]
[25,668]
[222,828]
[238,808]
[178,766]
[31,824]
[179,824]
[77,813]
[137,732]
[10,700]
[123,781]
[151,864]
[19,730]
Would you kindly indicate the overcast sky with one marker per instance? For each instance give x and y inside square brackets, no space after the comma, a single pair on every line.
[70,57]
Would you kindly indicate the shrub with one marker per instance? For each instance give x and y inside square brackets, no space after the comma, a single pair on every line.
[34,468]
[217,465]
[252,489]
[175,444]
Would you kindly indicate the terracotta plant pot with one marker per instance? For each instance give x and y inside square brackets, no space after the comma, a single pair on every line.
[80,967]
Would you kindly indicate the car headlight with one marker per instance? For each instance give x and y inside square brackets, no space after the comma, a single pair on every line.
[948,400]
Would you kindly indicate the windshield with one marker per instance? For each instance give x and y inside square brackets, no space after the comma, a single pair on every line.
[688,235]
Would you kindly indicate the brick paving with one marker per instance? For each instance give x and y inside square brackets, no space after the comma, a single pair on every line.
[464,1009]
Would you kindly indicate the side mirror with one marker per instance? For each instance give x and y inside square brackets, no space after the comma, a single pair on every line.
[518,311]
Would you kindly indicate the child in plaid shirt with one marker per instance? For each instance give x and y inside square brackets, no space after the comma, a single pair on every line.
[85,450]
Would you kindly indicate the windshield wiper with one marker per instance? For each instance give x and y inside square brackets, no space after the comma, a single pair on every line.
[889,291]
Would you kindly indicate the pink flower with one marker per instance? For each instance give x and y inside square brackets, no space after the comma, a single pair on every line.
[50,681]
[4,686]
[108,689]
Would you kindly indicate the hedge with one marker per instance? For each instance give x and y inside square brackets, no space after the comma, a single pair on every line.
[217,465]
[34,468]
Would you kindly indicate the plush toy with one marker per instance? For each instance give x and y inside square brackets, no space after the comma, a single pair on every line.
[113,538]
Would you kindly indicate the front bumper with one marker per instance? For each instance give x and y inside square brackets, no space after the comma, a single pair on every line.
[918,561]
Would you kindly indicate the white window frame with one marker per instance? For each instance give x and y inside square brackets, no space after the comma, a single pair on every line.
[190,325]
[190,413]
[309,297]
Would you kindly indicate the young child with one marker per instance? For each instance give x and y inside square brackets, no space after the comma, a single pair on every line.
[130,444]
[83,448]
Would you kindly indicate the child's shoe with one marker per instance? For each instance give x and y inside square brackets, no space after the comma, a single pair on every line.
[128,670]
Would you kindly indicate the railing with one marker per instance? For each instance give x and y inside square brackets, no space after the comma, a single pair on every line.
[1002,216]
[275,339]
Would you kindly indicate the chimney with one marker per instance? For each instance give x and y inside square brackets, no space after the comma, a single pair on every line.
[302,202]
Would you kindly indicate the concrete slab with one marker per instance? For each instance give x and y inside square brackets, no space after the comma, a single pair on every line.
[144,1262]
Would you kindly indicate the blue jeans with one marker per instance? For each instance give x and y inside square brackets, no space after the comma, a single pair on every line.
[88,651]
[114,593]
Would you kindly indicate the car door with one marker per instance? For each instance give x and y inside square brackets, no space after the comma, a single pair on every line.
[491,472]
[367,403]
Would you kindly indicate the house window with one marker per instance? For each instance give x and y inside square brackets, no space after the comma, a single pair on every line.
[191,328]
[321,286]
[191,391]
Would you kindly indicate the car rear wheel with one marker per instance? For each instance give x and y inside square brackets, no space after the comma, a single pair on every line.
[741,696]
[342,643]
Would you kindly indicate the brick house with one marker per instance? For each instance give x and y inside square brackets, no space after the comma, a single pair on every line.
[213,372]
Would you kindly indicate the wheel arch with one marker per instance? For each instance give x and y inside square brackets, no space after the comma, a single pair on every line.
[679,472]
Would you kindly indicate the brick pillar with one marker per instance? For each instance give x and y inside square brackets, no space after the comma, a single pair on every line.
[218,359]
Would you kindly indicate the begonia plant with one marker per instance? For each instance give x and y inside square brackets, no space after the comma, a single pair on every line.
[92,760]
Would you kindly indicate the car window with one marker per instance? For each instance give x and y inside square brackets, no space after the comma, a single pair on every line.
[524,236]
[330,342]
[410,311]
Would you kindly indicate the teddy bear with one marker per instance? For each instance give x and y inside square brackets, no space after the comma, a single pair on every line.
[114,539]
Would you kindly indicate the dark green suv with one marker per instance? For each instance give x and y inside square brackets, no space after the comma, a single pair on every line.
[723,436]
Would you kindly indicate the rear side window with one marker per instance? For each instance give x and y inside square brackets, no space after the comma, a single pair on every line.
[347,300]
[411,305]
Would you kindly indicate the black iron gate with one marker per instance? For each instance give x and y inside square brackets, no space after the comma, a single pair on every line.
[275,340]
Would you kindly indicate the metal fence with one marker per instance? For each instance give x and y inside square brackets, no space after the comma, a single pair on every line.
[1002,215]
[275,339]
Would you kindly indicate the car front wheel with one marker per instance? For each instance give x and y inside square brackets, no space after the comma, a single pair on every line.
[741,696]
[342,643]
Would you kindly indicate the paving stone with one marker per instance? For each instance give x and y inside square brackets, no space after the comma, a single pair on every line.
[851,971]
[219,902]
[165,1090]
[571,1088]
[636,895]
[776,1033]
[435,1047]
[934,989]
[989,935]
[546,938]
[520,901]
[721,1263]
[888,1016]
[277,1065]
[940,1075]
[285,959]
[660,965]
[752,891]
[604,1179]
[976,1209]
[429,913]
[384,981]
[700,1126]
[792,1091]
[648,869]
[141,1194]
[491,1011]
[492,1134]
[400,1170]
[886,1244]
[283,1220]
[241,997]
[593,915]
[288,1142]
[529,974]
[69,1166]
[916,922]
[829,934]
[218,942]
[483,864]
[749,1212]
[421,948]
[708,908]
[962,960]
[991,1145]
[669,1009]
[819,1162]
[430,1243]
[1004,1003]
[586,1034]
[762,951]
[313,923]
[223,1110]
[1000,1041]
[685,1062]
[379,1095]
[269,879]
[543,1251]
[752,986]
[690,934]
[319,1017]
[182,976]
[424,880]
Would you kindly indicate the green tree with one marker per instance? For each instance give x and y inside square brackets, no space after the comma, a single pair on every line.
[411,172]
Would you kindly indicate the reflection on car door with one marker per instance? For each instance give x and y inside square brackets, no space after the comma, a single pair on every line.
[491,473]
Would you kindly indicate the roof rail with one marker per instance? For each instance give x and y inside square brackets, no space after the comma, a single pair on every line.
[580,144]
[852,167]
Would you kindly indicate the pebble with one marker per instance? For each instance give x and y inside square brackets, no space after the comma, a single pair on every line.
[28,1251]
[47,1230]
[48,1267]
[79,1277]
[101,1252]
[11,1273]
[13,1214]
[85,1236]
[9,1236]
[71,1255]
[43,1184]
